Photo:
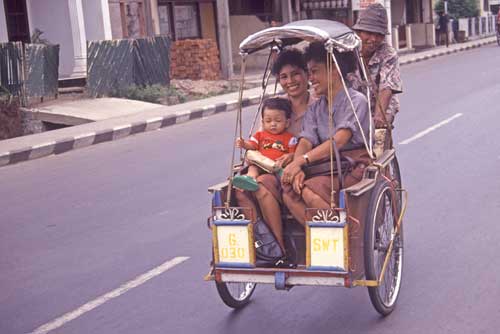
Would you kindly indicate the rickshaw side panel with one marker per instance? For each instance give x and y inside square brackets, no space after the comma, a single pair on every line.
[356,216]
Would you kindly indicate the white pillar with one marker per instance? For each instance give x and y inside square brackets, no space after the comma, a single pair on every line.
[3,25]
[79,38]
[409,43]
[432,33]
[225,49]
[395,38]
[387,5]
[298,9]
[106,19]
[286,11]
[155,17]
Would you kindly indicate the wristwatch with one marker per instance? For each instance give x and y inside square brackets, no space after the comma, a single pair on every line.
[306,159]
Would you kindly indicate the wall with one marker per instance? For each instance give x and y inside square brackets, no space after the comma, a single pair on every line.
[116,20]
[207,19]
[421,34]
[463,24]
[428,11]
[41,15]
[398,12]
[195,59]
[4,37]
[97,22]
[241,27]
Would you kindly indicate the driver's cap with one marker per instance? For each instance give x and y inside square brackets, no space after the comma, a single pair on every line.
[373,19]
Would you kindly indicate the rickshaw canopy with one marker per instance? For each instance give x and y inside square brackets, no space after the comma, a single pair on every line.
[342,37]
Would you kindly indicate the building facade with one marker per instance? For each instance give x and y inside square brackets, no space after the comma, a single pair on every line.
[225,22]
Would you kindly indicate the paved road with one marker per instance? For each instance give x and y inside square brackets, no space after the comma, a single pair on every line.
[77,226]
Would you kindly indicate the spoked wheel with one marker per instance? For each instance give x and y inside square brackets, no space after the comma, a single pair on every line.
[235,295]
[381,219]
[395,176]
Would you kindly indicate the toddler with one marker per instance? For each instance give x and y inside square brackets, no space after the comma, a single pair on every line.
[272,141]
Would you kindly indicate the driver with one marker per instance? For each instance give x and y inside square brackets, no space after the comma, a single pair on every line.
[382,64]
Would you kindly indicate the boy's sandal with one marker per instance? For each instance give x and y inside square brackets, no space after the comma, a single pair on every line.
[245,182]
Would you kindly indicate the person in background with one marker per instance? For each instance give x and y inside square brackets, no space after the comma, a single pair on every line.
[382,65]
[498,20]
[443,28]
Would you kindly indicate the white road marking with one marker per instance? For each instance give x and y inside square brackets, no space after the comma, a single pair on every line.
[430,129]
[56,323]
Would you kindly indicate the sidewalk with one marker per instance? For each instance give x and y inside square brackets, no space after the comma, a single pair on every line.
[147,117]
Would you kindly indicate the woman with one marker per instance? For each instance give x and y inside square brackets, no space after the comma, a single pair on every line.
[291,71]
[314,140]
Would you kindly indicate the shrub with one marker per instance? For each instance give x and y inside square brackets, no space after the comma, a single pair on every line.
[10,115]
[151,93]
[154,94]
[458,8]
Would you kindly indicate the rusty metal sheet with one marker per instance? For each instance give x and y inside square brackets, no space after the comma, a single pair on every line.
[118,64]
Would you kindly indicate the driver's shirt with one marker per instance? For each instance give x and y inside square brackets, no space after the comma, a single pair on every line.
[384,71]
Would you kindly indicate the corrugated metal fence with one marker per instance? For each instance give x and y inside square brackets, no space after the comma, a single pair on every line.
[42,70]
[117,64]
[29,71]
[11,67]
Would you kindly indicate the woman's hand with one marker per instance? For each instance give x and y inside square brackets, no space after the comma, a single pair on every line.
[298,182]
[284,160]
[290,172]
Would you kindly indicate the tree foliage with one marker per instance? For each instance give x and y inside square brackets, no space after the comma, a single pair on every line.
[458,8]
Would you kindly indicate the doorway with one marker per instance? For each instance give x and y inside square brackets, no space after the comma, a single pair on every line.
[17,20]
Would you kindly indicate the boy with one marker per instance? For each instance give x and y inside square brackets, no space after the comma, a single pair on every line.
[272,141]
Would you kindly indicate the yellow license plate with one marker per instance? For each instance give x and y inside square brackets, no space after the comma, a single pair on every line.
[233,244]
[325,247]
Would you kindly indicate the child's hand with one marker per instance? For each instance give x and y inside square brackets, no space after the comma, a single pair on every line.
[284,160]
[240,143]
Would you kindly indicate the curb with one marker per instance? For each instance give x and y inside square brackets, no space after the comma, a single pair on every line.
[447,52]
[118,132]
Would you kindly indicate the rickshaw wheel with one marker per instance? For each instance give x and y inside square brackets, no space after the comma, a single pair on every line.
[382,215]
[395,176]
[235,295]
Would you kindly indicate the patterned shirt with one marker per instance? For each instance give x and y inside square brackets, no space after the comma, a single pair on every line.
[383,68]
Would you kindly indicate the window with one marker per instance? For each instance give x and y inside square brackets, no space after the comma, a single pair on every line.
[164,19]
[17,20]
[186,21]
[179,19]
[127,18]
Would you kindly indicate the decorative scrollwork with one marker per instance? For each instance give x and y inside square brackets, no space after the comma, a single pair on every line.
[232,214]
[325,216]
